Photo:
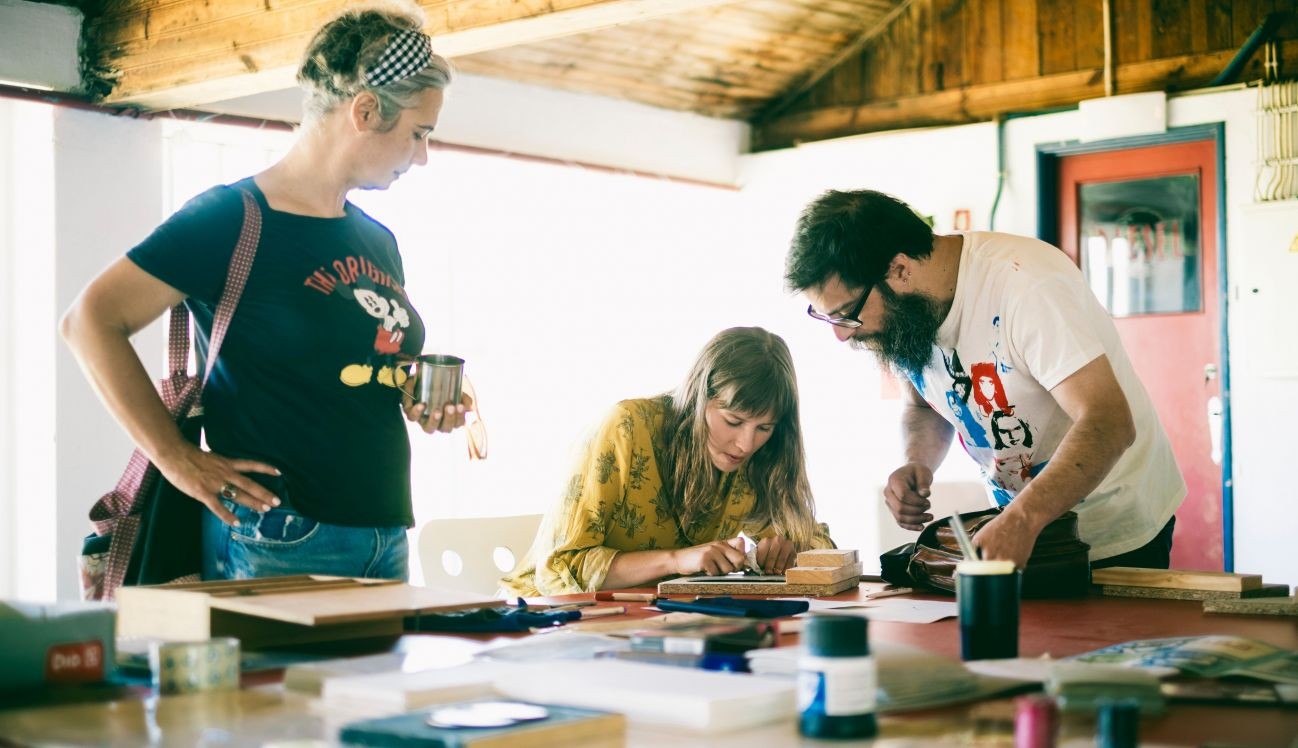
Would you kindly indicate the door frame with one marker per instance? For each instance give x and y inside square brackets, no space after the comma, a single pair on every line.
[1048,157]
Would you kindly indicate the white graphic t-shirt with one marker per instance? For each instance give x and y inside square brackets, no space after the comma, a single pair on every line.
[1022,321]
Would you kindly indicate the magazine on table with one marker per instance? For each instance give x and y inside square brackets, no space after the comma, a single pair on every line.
[1204,657]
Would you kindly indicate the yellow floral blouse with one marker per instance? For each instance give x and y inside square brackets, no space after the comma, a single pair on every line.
[613,503]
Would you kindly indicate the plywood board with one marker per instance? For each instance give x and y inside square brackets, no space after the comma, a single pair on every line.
[822,574]
[1165,593]
[827,557]
[1278,606]
[744,586]
[1127,576]
[273,609]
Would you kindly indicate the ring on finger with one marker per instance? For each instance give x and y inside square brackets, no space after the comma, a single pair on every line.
[229,492]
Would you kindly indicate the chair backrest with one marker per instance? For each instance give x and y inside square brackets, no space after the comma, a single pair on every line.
[472,554]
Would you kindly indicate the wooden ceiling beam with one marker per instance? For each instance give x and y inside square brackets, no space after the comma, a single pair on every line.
[164,54]
[812,77]
[984,102]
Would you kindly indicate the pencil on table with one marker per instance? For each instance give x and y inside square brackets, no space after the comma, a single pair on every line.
[626,597]
[613,610]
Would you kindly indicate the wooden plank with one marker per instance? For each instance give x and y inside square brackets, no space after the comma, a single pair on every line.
[881,65]
[272,606]
[1058,38]
[949,35]
[350,605]
[1019,31]
[630,72]
[626,79]
[1129,576]
[1217,20]
[258,633]
[665,97]
[986,61]
[685,587]
[1161,593]
[907,57]
[1131,21]
[1089,33]
[981,103]
[1282,606]
[828,557]
[1198,26]
[1171,28]
[1245,15]
[188,52]
[822,574]
[874,28]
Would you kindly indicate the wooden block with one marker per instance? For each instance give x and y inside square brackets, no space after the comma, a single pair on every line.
[1164,593]
[822,574]
[827,557]
[1126,576]
[1275,606]
[684,586]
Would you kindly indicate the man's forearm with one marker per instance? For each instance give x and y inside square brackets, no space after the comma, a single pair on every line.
[926,436]
[1082,460]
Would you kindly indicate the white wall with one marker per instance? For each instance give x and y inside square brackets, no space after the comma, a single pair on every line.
[27,567]
[38,45]
[108,173]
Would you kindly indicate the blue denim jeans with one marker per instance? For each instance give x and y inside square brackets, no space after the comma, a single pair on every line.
[282,542]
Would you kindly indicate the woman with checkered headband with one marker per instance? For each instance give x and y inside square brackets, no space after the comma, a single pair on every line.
[308,462]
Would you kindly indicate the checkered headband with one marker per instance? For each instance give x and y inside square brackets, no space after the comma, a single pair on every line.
[407,54]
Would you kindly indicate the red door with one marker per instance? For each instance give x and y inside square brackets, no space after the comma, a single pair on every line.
[1142,224]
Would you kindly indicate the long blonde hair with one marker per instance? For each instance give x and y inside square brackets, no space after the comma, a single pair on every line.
[748,370]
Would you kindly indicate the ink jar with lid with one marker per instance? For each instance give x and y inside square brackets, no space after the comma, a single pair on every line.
[837,679]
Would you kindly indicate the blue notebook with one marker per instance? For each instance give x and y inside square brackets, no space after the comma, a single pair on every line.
[562,727]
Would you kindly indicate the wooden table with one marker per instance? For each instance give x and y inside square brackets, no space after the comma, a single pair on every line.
[267,715]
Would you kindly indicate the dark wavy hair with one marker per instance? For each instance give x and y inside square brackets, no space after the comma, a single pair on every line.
[853,234]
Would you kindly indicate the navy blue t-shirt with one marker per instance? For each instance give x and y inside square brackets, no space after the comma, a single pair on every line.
[305,380]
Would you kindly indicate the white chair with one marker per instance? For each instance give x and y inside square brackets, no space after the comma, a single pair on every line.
[472,554]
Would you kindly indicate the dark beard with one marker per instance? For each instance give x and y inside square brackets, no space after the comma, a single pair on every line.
[910,324]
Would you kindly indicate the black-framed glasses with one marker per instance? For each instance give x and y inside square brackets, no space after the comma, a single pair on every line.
[849,319]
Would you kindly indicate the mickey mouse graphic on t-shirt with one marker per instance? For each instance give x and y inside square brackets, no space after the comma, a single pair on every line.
[390,333]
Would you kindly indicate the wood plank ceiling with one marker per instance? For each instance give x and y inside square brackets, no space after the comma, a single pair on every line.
[731,61]
[799,70]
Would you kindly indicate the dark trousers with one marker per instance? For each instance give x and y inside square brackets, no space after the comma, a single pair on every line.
[1156,554]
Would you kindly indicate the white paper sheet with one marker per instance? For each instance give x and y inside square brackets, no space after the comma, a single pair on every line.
[894,609]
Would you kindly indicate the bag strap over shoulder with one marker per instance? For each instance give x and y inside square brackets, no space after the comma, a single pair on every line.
[179,385]
[179,391]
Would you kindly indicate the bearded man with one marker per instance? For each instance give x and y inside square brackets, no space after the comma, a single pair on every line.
[1038,346]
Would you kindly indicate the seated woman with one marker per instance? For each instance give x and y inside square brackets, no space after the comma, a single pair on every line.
[667,483]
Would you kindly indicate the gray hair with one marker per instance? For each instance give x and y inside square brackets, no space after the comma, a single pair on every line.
[333,67]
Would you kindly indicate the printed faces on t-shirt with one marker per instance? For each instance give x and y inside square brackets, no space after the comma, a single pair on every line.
[974,398]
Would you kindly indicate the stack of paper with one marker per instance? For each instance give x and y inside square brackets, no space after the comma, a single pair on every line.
[649,694]
[406,691]
[700,700]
